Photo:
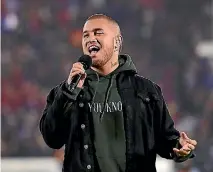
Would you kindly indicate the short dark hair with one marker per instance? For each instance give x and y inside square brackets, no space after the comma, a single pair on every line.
[102,16]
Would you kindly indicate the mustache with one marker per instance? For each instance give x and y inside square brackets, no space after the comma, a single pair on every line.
[92,42]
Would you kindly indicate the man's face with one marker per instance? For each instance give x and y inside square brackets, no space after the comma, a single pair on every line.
[98,41]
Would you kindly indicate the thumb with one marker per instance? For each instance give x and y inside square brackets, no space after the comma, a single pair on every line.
[184,136]
[176,150]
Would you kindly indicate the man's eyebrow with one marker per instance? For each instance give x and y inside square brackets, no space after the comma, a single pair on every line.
[96,29]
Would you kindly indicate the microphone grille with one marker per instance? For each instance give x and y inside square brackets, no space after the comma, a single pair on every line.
[86,61]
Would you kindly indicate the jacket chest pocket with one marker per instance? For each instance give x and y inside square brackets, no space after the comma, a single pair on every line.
[147,103]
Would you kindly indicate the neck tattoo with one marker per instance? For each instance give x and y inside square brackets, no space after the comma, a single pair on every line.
[113,64]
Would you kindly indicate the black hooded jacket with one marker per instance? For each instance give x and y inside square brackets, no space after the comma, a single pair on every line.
[148,127]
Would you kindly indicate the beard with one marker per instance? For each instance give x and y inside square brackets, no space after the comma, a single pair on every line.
[104,55]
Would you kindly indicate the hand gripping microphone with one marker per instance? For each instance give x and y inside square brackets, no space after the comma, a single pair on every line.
[86,61]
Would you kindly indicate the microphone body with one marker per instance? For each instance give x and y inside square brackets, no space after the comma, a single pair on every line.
[86,61]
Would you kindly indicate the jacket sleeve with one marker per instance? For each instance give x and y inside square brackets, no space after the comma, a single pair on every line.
[168,136]
[54,123]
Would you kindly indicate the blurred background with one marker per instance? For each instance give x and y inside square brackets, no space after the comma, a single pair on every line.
[170,41]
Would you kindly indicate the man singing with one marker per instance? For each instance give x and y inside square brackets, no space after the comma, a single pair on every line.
[114,120]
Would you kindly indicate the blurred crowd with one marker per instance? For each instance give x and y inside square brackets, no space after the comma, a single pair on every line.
[42,38]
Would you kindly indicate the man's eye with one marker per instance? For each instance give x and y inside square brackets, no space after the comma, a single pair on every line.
[99,33]
[85,36]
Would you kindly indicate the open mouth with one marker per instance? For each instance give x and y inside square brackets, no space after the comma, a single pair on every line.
[93,49]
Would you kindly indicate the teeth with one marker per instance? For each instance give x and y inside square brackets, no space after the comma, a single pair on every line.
[93,46]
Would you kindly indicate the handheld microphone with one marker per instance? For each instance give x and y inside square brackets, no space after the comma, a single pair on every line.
[86,61]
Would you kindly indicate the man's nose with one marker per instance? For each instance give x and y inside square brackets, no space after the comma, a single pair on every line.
[92,38]
[93,41]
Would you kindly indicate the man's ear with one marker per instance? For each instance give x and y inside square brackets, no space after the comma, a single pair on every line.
[118,43]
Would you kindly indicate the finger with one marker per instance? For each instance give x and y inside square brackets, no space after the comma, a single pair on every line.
[77,69]
[192,147]
[78,65]
[181,152]
[84,76]
[184,152]
[76,73]
[73,74]
[177,152]
[186,149]
[193,142]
